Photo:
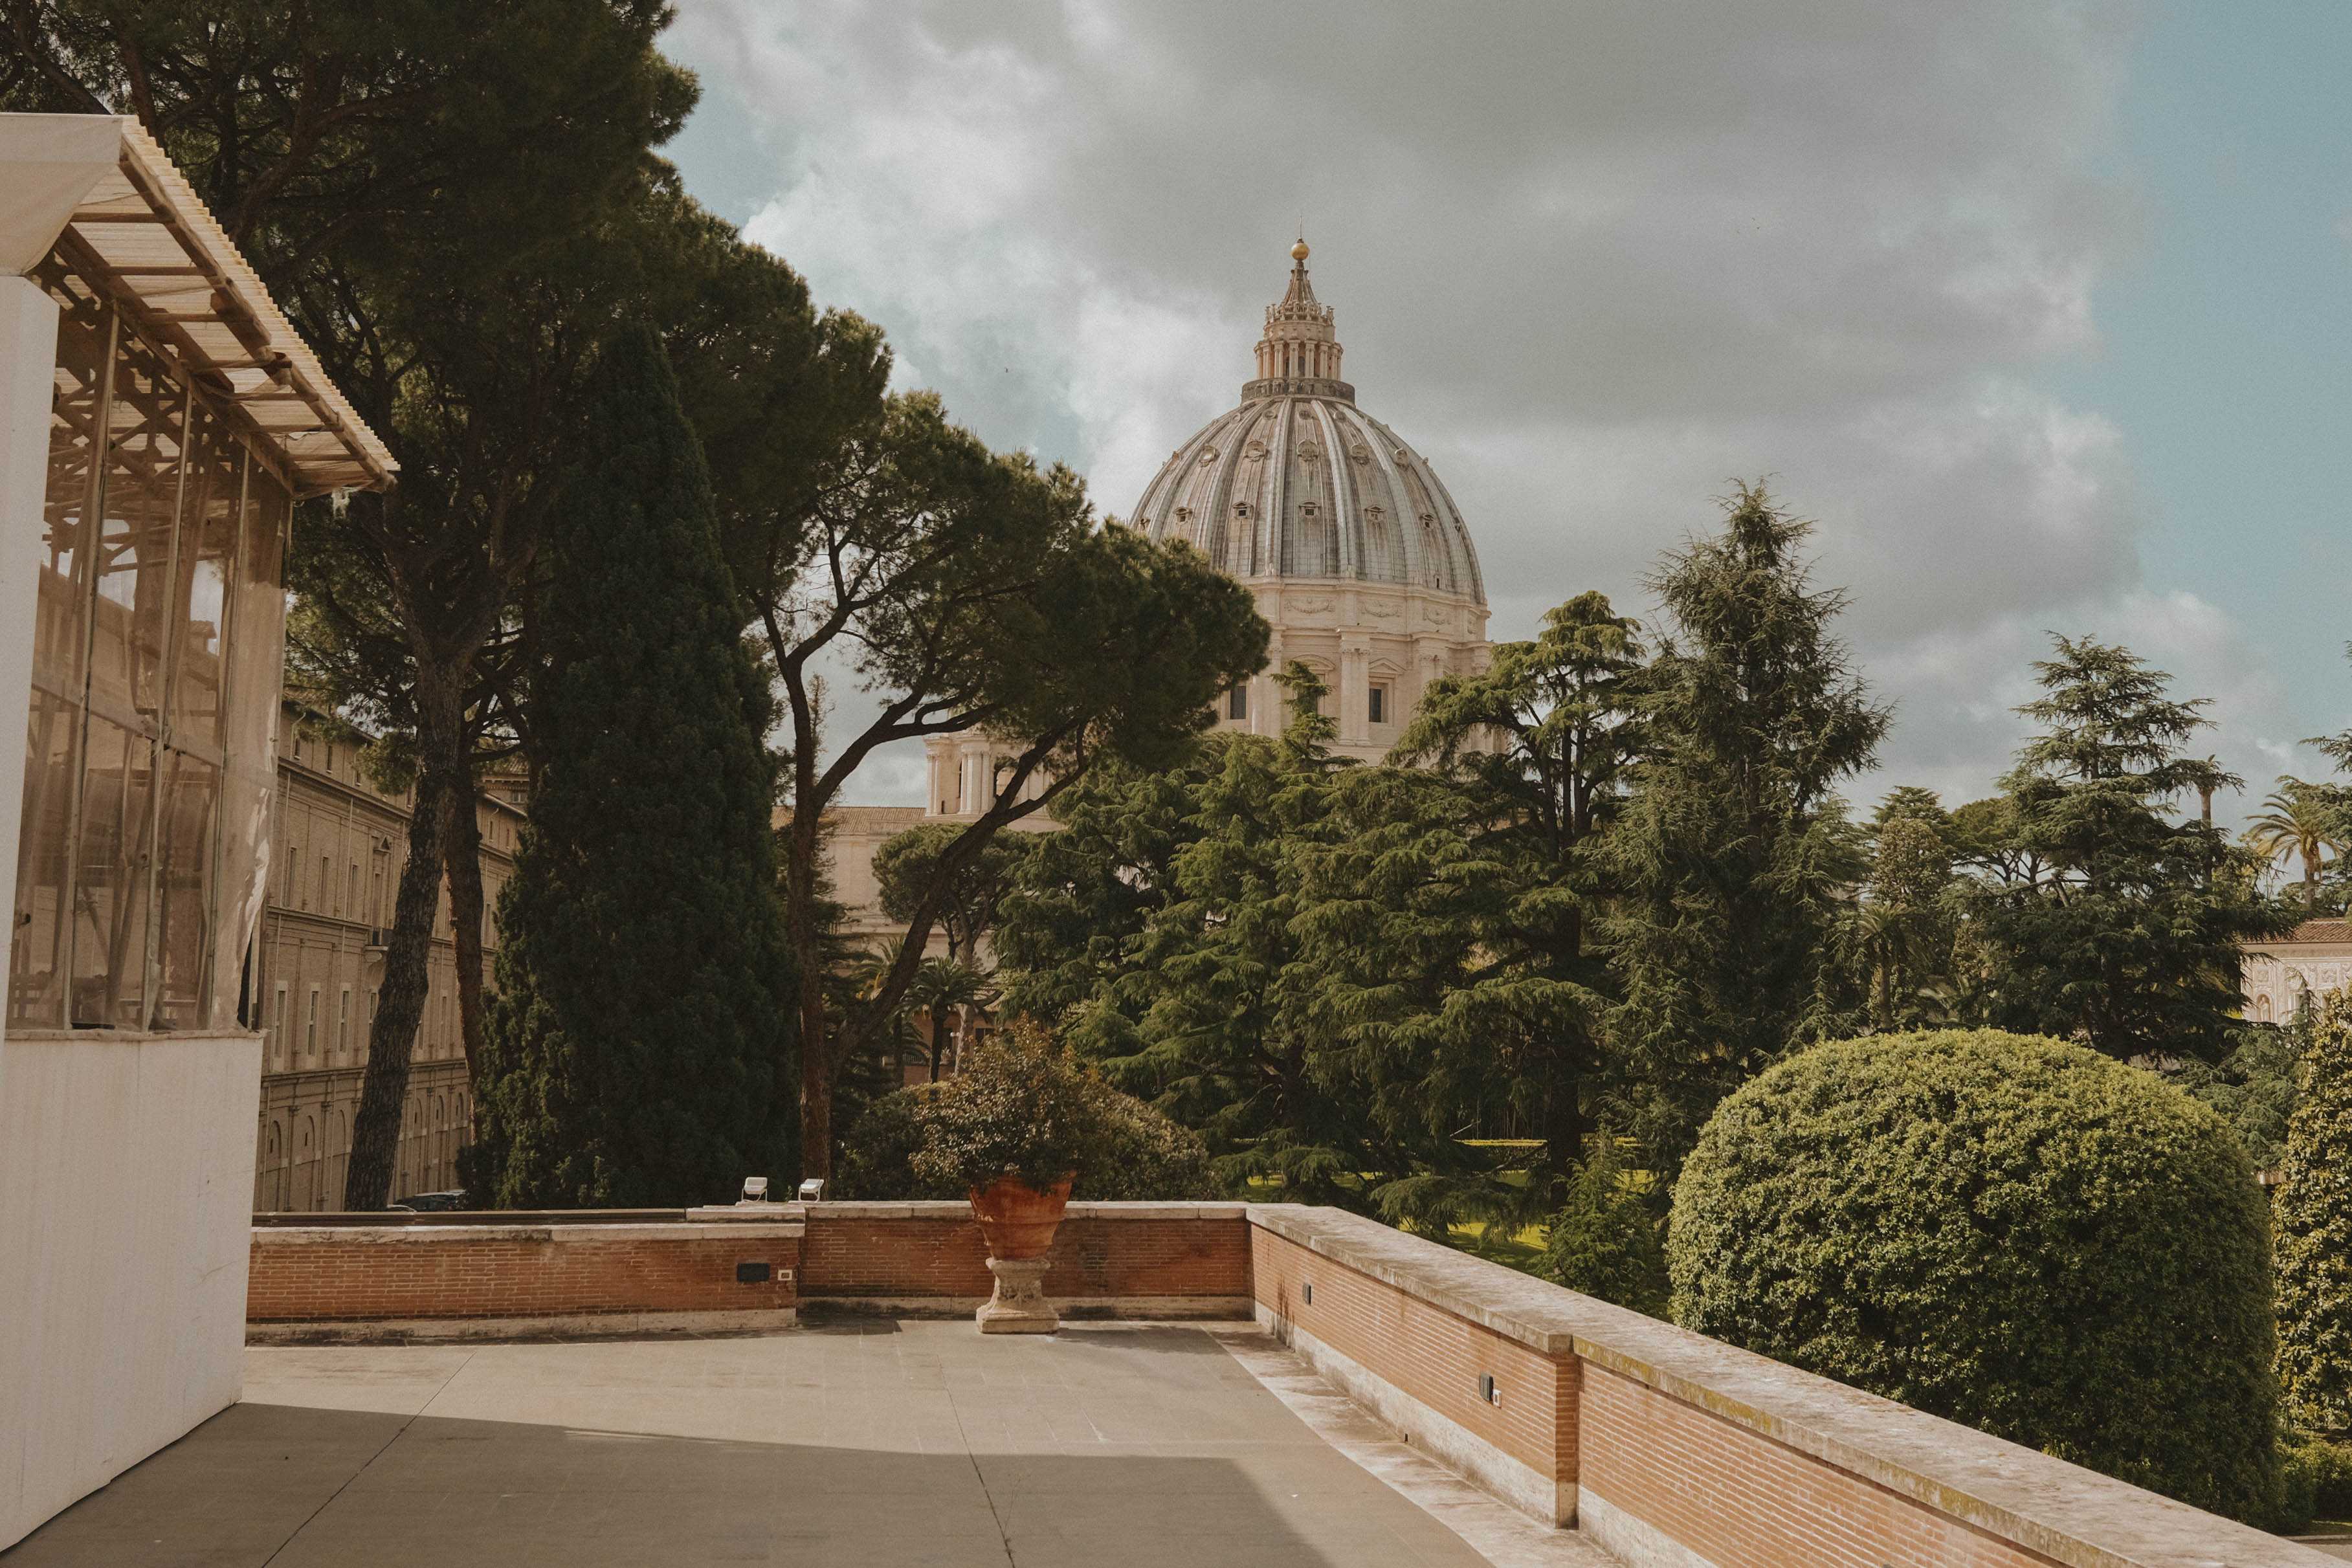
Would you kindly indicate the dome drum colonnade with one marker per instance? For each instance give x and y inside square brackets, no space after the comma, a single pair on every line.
[1357,555]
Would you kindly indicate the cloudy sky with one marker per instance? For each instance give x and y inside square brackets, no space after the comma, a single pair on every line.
[2039,310]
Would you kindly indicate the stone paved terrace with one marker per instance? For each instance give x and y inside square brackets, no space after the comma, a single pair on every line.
[804,1384]
[861,1441]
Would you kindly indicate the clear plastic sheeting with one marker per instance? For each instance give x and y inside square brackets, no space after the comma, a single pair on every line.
[143,844]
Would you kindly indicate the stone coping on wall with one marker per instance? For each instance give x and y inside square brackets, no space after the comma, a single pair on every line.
[2063,1512]
[377,1219]
[954,1209]
[442,1235]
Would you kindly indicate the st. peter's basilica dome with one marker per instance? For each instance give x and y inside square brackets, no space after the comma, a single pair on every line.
[1300,484]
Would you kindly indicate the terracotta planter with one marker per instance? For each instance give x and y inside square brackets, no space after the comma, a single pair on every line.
[1018,1220]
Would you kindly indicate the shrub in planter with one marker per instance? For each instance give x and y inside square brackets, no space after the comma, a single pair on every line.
[2007,1230]
[1019,1107]
[1143,1156]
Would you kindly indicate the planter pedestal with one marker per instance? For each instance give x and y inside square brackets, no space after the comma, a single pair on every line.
[1018,1222]
[1019,1305]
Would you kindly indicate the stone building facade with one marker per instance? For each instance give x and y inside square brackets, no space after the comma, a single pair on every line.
[2283,977]
[321,964]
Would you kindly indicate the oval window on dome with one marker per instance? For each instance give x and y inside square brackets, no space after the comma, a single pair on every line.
[1309,452]
[1361,453]
[1208,455]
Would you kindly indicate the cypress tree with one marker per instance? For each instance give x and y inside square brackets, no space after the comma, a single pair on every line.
[2315,1232]
[640,1029]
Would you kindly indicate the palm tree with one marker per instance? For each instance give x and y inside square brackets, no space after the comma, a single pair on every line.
[942,984]
[2299,819]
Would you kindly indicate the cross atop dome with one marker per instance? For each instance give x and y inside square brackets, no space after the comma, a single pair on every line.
[1299,353]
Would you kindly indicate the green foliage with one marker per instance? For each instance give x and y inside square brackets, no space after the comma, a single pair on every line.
[1143,1154]
[878,1157]
[1021,1107]
[942,987]
[2254,1087]
[1489,978]
[913,865]
[1901,935]
[1606,1240]
[2102,920]
[2314,1231]
[972,590]
[1136,1154]
[2010,1231]
[638,1028]
[2317,1484]
[1085,893]
[2303,821]
[1732,854]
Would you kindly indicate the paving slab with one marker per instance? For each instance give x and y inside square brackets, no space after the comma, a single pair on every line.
[869,1441]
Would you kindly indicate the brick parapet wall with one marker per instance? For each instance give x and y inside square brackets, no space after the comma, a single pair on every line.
[1687,1452]
[414,1272]
[1165,1255]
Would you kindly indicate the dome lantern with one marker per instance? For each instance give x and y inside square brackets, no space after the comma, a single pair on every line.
[1300,352]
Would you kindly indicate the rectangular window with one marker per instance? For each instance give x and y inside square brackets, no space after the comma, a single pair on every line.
[353,907]
[1237,703]
[326,883]
[311,1026]
[1379,705]
[343,1021]
[277,1022]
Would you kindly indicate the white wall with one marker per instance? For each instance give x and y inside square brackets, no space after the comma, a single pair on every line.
[126,1177]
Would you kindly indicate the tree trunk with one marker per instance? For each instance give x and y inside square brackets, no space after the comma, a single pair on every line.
[461,854]
[939,1041]
[407,959]
[802,931]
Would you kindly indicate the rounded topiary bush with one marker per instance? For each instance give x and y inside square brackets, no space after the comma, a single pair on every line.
[2007,1230]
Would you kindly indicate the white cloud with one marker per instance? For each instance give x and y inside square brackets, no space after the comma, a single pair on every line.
[1594,260]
